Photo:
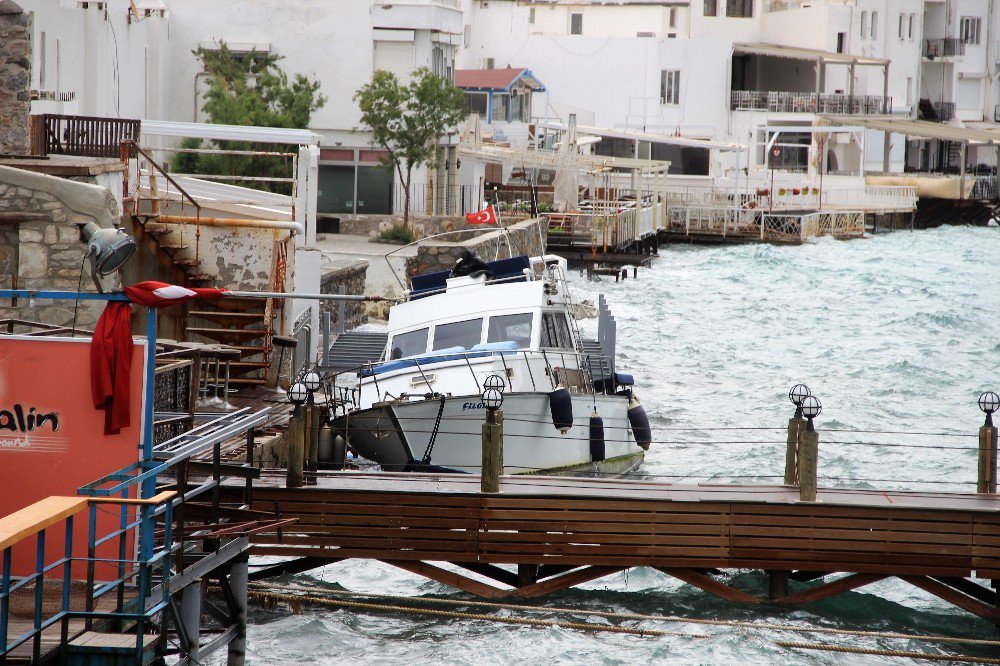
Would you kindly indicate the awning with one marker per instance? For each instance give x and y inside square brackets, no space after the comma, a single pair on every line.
[652,137]
[795,53]
[281,135]
[924,129]
[496,80]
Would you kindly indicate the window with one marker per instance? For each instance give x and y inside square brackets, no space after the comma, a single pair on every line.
[531,15]
[475,102]
[520,107]
[576,24]
[711,7]
[459,334]
[841,41]
[864,25]
[968,29]
[41,61]
[490,63]
[672,21]
[902,26]
[670,86]
[408,344]
[739,8]
[555,331]
[874,25]
[501,107]
[913,21]
[511,328]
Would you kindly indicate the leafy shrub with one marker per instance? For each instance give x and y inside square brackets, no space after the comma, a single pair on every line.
[397,234]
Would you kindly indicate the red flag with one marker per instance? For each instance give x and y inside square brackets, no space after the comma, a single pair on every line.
[485,216]
[159,294]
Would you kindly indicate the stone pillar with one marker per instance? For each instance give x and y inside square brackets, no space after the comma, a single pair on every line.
[15,79]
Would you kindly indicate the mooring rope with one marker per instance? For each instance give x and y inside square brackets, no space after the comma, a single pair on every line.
[908,654]
[656,618]
[583,626]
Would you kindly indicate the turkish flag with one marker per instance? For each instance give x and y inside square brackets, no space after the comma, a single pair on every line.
[160,294]
[485,216]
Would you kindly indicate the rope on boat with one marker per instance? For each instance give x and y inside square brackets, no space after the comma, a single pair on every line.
[908,654]
[296,599]
[931,638]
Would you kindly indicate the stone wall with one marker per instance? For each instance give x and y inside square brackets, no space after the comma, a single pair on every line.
[15,79]
[352,278]
[439,255]
[40,244]
[372,225]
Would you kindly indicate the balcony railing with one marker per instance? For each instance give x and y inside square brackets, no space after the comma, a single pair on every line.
[996,113]
[799,102]
[943,48]
[87,136]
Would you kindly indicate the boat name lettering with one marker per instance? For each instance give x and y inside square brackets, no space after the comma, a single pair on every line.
[471,405]
[17,419]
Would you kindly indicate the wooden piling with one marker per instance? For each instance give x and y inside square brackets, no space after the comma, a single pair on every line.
[808,456]
[987,479]
[796,425]
[492,452]
[296,452]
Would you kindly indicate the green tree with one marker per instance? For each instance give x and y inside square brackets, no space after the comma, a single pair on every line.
[250,89]
[408,120]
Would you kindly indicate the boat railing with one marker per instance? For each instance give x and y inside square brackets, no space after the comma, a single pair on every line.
[547,369]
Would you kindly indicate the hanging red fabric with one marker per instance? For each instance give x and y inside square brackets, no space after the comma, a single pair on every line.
[111,365]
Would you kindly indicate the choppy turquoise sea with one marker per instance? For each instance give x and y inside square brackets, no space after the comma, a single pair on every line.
[896,333]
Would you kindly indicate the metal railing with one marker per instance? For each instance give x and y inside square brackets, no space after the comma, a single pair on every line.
[802,102]
[753,222]
[85,136]
[985,188]
[944,47]
[872,198]
[943,111]
[604,226]
[60,512]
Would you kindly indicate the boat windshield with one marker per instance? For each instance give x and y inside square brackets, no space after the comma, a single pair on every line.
[408,344]
[515,328]
[466,334]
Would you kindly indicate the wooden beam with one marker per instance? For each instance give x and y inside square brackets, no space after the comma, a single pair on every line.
[984,594]
[830,589]
[806,576]
[562,582]
[710,585]
[291,567]
[953,596]
[449,578]
[490,571]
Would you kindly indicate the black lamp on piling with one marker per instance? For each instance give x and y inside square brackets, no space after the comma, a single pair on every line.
[297,395]
[989,402]
[797,394]
[495,381]
[312,383]
[811,407]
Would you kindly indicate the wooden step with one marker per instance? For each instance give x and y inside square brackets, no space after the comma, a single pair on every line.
[228,333]
[247,381]
[173,246]
[251,349]
[187,262]
[94,642]
[249,364]
[240,304]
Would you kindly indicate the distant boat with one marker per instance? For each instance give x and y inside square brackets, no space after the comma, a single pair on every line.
[420,407]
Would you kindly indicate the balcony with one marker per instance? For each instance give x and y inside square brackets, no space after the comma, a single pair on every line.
[996,113]
[946,47]
[799,102]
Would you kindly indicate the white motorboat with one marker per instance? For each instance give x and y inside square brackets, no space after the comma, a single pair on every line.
[564,410]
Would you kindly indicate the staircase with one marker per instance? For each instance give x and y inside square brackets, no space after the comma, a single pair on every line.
[355,348]
[241,323]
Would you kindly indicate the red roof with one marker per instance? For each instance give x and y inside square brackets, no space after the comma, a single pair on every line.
[487,79]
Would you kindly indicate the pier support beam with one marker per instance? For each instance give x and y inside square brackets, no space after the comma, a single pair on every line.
[777,584]
[238,585]
[191,620]
[296,452]
[986,481]
[796,425]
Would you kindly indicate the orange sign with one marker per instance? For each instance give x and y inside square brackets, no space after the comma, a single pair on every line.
[52,439]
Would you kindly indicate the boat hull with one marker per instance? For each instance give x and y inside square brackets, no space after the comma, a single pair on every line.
[447,433]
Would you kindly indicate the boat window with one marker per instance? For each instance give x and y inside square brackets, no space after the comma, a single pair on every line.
[555,331]
[515,327]
[458,334]
[407,344]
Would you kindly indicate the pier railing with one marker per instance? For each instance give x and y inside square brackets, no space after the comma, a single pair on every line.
[778,227]
[86,136]
[869,198]
[605,227]
[802,102]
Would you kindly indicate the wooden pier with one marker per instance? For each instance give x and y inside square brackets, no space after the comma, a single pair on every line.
[564,531]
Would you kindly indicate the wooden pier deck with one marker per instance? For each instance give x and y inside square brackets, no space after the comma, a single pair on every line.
[563,531]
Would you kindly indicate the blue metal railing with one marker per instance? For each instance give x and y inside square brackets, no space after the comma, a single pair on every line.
[138,610]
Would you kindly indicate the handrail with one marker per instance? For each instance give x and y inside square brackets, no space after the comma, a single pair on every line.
[156,165]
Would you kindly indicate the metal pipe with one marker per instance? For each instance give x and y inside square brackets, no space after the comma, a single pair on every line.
[313,297]
[232,222]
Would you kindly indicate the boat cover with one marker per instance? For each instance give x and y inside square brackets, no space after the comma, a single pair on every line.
[442,355]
